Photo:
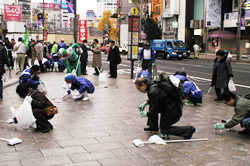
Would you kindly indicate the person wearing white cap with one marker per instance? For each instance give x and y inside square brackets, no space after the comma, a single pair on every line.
[61,45]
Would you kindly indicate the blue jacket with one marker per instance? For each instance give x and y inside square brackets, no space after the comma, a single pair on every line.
[144,74]
[82,84]
[61,45]
[27,76]
[181,77]
[191,90]
[141,55]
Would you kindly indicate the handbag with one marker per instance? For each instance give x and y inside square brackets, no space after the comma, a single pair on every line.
[14,54]
[51,110]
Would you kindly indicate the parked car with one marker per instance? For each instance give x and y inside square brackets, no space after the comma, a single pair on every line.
[123,50]
[105,48]
[169,48]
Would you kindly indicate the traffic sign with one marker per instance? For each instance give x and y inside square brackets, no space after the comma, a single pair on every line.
[134,11]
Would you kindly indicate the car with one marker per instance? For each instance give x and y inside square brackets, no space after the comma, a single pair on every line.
[105,48]
[123,50]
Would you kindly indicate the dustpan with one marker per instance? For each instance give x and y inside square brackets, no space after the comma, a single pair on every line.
[12,141]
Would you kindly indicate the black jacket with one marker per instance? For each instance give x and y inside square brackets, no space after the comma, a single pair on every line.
[222,71]
[3,58]
[114,56]
[160,101]
[84,55]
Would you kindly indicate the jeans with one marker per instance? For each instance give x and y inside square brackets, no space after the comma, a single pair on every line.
[246,123]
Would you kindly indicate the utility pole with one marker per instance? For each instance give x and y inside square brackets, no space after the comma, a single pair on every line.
[238,30]
[75,23]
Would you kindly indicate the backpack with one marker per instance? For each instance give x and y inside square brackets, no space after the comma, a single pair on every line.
[168,84]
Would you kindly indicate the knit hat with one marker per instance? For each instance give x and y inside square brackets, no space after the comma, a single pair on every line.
[69,77]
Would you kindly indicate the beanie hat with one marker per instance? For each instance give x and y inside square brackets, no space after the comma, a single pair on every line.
[69,77]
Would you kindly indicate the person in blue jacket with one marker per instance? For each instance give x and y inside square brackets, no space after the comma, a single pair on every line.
[147,56]
[81,84]
[181,75]
[30,76]
[61,45]
[144,74]
[193,93]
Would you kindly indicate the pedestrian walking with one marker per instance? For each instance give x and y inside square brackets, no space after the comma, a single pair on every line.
[39,54]
[81,84]
[161,101]
[114,58]
[20,49]
[39,105]
[196,50]
[147,57]
[97,58]
[84,57]
[222,73]
[3,60]
[241,116]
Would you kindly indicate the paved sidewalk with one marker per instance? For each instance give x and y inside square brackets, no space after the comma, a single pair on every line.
[100,131]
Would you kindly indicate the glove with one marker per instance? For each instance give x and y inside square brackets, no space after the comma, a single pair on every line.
[153,64]
[143,114]
[139,61]
[142,106]
[10,68]
[41,81]
[219,126]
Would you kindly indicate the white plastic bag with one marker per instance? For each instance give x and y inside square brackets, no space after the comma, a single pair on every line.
[231,86]
[42,87]
[14,55]
[24,114]
[36,62]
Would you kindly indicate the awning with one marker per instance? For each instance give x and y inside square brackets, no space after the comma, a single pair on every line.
[222,34]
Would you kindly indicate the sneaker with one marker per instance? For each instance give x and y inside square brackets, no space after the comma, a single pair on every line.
[151,129]
[244,132]
[191,132]
[189,103]
[85,99]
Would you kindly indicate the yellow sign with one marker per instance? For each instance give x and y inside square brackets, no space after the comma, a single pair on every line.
[134,11]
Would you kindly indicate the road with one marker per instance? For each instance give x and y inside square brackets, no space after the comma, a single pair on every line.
[198,69]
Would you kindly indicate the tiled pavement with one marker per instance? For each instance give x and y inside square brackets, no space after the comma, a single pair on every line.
[100,131]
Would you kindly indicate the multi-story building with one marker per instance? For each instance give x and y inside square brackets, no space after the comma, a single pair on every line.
[105,5]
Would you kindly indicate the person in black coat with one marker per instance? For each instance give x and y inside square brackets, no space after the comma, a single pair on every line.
[222,73]
[3,60]
[114,59]
[160,101]
[84,57]
[9,46]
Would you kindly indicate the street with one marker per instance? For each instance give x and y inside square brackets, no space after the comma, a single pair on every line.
[101,131]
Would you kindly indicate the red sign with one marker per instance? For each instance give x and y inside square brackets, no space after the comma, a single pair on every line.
[133,22]
[83,35]
[50,6]
[12,13]
[118,3]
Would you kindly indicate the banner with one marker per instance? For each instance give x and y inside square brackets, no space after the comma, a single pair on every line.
[40,19]
[12,12]
[212,13]
[26,39]
[83,35]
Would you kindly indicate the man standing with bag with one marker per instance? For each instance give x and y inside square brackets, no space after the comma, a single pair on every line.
[114,59]
[147,56]
[20,49]
[3,60]
[222,73]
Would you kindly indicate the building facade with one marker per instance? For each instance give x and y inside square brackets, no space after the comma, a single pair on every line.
[105,5]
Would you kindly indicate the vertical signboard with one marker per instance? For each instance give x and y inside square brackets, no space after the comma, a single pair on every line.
[83,35]
[12,12]
[133,37]
[213,11]
[156,9]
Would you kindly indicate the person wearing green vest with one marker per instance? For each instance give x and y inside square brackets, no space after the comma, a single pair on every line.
[54,48]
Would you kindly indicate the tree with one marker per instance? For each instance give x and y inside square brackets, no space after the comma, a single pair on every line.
[108,24]
[152,30]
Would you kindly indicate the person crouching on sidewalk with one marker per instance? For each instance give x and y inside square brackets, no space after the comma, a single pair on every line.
[82,85]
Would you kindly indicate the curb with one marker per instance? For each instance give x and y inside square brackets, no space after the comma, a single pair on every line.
[10,84]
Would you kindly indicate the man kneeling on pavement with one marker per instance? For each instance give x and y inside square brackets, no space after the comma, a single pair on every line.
[242,112]
[170,109]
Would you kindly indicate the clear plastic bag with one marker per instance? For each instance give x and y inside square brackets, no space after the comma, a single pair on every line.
[231,86]
[24,114]
[42,87]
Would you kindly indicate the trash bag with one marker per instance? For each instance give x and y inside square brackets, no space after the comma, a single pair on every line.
[36,62]
[231,86]
[24,114]
[42,87]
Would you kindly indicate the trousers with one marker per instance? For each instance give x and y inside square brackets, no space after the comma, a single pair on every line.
[246,123]
[20,62]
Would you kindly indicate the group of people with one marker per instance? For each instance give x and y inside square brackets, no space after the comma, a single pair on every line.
[161,101]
